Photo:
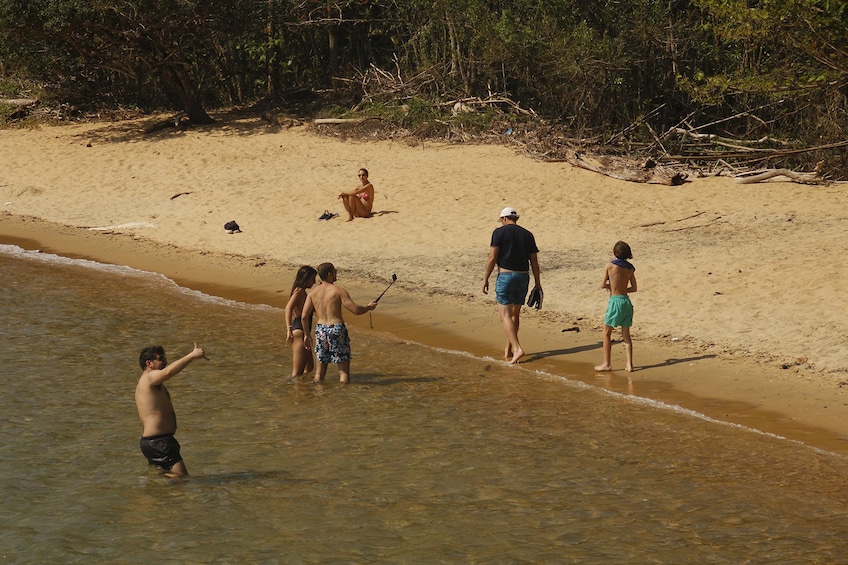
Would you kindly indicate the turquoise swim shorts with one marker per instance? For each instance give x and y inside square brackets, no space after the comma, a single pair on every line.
[619,311]
[511,288]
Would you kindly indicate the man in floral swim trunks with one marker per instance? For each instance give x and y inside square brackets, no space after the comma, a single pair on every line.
[332,343]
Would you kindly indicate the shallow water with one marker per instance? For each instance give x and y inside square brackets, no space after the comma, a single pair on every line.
[427,457]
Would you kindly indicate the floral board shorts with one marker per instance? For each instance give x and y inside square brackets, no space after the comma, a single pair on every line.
[332,343]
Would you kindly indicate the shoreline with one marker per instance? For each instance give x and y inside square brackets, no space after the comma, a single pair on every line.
[738,392]
[737,312]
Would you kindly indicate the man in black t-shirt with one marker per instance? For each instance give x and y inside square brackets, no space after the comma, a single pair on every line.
[513,250]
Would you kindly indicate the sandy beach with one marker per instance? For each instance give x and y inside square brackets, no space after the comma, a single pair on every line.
[738,313]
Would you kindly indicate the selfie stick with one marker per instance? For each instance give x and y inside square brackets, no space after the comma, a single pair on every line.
[394,278]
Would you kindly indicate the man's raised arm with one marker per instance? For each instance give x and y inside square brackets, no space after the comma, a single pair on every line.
[159,376]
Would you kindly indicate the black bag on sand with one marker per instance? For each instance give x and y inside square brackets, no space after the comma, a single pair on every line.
[232,227]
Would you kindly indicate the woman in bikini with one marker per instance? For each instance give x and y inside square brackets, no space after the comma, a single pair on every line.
[302,361]
[359,201]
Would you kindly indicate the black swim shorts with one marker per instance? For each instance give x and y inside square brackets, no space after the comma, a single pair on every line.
[162,450]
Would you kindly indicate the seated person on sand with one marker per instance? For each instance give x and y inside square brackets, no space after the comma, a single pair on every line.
[359,201]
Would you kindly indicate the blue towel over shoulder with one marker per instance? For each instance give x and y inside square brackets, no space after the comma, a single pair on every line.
[623,263]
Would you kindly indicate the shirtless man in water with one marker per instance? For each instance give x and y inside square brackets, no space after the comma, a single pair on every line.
[332,343]
[158,420]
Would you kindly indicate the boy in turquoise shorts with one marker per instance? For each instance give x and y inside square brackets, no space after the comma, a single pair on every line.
[620,280]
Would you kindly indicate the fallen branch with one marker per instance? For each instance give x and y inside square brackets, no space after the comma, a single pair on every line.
[805,178]
[688,228]
[652,175]
[178,120]
[727,142]
[637,123]
[18,101]
[692,227]
[491,101]
[336,121]
[760,153]
[695,215]
[24,105]
[746,113]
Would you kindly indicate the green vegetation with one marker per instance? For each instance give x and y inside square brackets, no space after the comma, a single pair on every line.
[592,70]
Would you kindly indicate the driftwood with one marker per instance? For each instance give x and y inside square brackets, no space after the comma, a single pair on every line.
[179,121]
[764,175]
[336,121]
[18,101]
[741,144]
[623,169]
[694,146]
[637,123]
[24,105]
[750,154]
[695,215]
[466,103]
[381,85]
[281,119]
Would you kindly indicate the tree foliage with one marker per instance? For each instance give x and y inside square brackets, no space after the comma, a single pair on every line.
[590,66]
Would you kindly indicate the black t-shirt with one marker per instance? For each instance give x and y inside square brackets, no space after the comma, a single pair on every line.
[515,246]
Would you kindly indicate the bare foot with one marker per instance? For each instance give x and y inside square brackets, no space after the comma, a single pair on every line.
[629,368]
[603,367]
[508,352]
[519,353]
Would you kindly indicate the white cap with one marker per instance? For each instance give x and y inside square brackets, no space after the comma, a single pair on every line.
[508,212]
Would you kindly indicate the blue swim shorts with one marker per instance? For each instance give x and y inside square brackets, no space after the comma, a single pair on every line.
[332,343]
[511,288]
[619,311]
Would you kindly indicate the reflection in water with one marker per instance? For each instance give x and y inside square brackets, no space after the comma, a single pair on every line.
[619,383]
[426,457]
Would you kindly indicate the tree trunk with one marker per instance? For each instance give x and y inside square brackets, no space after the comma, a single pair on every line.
[271,75]
[457,68]
[188,94]
[454,48]
[334,53]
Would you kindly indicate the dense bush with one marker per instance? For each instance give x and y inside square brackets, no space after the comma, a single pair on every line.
[772,70]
